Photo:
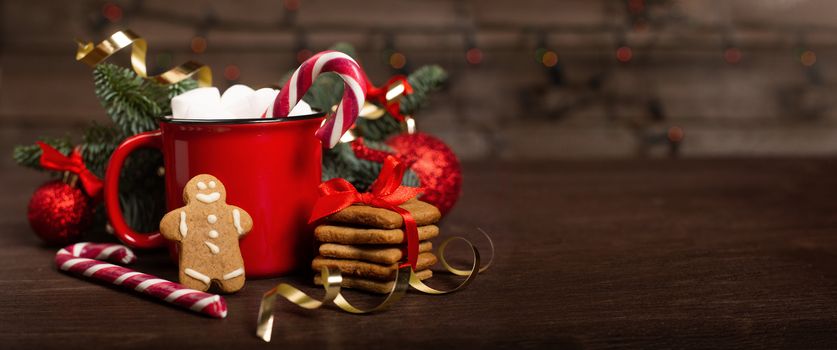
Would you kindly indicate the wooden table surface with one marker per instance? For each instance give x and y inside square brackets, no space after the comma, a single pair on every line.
[590,254]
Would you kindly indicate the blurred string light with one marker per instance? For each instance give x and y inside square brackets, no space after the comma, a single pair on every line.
[808,58]
[291,5]
[392,57]
[636,7]
[804,54]
[638,10]
[198,44]
[624,53]
[473,54]
[550,60]
[732,55]
[543,55]
[112,12]
[638,14]
[232,73]
[675,134]
[289,15]
[397,60]
[303,54]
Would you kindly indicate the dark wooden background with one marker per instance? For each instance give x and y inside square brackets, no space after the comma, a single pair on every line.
[590,254]
[510,105]
[603,251]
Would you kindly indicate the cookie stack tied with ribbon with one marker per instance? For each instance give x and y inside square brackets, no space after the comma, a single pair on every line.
[369,236]
[366,244]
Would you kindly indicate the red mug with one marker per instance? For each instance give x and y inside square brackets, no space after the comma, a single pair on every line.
[270,168]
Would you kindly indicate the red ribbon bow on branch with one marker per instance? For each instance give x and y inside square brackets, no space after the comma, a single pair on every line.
[51,159]
[393,106]
[386,193]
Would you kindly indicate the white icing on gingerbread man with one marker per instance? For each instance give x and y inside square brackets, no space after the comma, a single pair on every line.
[207,230]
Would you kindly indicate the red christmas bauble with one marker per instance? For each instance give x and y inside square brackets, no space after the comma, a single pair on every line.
[59,213]
[434,163]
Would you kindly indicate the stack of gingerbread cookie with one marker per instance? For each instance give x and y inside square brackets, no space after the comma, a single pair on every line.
[366,244]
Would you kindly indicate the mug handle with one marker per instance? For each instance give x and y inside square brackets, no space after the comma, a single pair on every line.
[150,139]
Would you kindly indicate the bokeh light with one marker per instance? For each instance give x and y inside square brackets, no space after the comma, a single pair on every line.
[636,6]
[808,58]
[473,56]
[550,59]
[676,134]
[303,55]
[291,5]
[198,44]
[397,60]
[112,12]
[732,55]
[231,72]
[624,54]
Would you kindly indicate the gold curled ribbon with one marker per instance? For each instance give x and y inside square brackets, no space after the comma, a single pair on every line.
[92,55]
[404,278]
[331,284]
[470,275]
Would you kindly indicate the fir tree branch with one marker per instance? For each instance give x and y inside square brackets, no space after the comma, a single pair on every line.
[378,129]
[132,102]
[30,155]
[98,143]
[126,98]
[424,80]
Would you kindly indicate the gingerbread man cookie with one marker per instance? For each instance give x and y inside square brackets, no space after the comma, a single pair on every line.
[207,230]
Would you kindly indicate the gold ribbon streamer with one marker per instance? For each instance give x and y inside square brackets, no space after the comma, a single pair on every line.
[470,275]
[404,278]
[331,284]
[94,54]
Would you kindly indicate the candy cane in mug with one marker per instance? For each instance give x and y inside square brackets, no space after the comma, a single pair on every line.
[79,259]
[354,92]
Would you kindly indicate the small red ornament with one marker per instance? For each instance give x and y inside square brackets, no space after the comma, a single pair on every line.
[435,164]
[59,212]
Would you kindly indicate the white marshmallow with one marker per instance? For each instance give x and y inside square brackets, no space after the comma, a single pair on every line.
[301,108]
[262,101]
[239,101]
[236,100]
[183,103]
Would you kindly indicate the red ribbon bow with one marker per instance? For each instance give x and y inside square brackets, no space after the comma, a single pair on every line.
[393,107]
[53,160]
[386,193]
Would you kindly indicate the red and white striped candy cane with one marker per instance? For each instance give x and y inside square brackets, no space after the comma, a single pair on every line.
[79,259]
[354,92]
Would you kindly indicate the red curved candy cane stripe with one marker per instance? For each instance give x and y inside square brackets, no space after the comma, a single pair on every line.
[354,92]
[79,259]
